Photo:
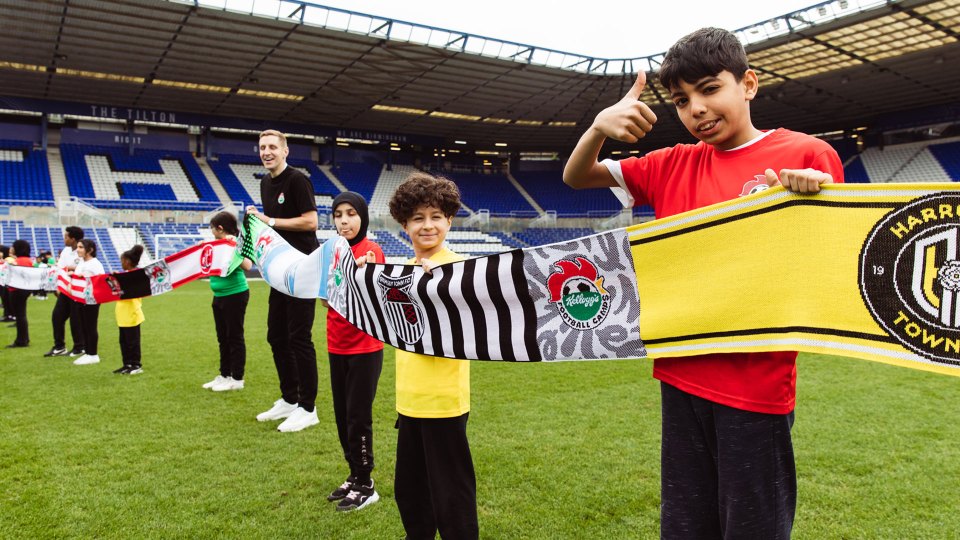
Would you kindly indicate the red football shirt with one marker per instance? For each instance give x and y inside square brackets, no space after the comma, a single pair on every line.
[689,176]
[343,337]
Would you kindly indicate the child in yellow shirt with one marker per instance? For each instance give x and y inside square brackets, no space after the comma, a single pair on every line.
[436,488]
[129,317]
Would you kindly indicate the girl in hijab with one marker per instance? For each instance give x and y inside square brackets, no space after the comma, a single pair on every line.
[356,360]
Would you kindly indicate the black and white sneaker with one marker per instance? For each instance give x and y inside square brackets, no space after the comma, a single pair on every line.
[358,497]
[122,371]
[342,491]
[133,370]
[55,352]
[76,352]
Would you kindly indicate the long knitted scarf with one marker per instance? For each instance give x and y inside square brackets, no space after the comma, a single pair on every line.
[867,271]
[208,258]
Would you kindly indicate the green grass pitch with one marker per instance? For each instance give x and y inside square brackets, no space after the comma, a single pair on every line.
[566,450]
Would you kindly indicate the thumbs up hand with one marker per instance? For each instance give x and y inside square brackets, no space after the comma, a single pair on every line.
[629,119]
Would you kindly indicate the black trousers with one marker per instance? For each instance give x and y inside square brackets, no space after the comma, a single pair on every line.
[5,300]
[353,383]
[228,314]
[290,335]
[130,345]
[435,486]
[89,317]
[18,305]
[725,473]
[64,310]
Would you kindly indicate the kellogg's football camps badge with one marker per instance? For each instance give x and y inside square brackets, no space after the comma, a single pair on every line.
[910,276]
[577,291]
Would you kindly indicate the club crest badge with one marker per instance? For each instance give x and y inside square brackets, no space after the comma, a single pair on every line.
[758,184]
[576,288]
[337,272]
[404,315]
[910,276]
[114,285]
[261,247]
[206,259]
[160,280]
[280,199]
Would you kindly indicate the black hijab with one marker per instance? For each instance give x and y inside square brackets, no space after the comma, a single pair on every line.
[360,205]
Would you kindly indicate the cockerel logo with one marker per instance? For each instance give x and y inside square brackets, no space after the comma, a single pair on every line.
[576,288]
[758,184]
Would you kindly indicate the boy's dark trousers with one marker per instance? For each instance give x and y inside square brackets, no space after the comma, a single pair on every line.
[64,310]
[18,303]
[89,317]
[290,334]
[228,315]
[130,345]
[434,485]
[725,472]
[353,384]
[5,300]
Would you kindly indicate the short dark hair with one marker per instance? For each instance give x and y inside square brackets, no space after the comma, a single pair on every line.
[703,53]
[227,221]
[21,248]
[75,232]
[422,189]
[90,246]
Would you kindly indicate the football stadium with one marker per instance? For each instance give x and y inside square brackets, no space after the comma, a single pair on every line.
[141,122]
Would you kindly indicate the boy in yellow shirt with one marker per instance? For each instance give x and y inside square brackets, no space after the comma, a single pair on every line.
[436,489]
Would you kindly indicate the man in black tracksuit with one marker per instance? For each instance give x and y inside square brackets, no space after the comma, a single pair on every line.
[290,209]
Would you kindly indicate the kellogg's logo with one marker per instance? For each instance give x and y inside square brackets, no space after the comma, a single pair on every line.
[576,288]
[206,259]
[910,276]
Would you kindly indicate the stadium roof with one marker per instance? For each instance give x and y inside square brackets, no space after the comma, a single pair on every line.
[841,64]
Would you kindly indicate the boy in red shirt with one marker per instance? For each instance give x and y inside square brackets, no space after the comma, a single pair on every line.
[727,467]
[356,361]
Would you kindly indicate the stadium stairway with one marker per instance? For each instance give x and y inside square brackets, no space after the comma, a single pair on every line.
[58,177]
[218,188]
[524,192]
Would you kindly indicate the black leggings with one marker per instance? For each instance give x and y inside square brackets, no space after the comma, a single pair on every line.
[18,303]
[353,381]
[228,315]
[89,317]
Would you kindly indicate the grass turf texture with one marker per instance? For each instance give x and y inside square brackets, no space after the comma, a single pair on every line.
[566,450]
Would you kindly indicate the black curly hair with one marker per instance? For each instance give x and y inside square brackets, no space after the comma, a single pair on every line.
[422,189]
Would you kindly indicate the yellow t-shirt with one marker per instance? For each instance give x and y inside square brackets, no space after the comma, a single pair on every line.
[129,313]
[431,386]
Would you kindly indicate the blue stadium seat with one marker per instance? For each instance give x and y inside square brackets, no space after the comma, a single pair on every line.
[119,192]
[24,175]
[548,189]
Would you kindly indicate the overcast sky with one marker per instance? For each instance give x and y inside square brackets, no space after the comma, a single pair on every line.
[599,28]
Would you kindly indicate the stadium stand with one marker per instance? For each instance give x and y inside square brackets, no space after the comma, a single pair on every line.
[548,189]
[539,237]
[108,177]
[240,176]
[25,174]
[493,192]
[913,162]
[360,177]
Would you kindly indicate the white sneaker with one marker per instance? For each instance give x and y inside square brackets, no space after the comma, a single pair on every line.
[228,384]
[217,380]
[280,410]
[299,419]
[87,359]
